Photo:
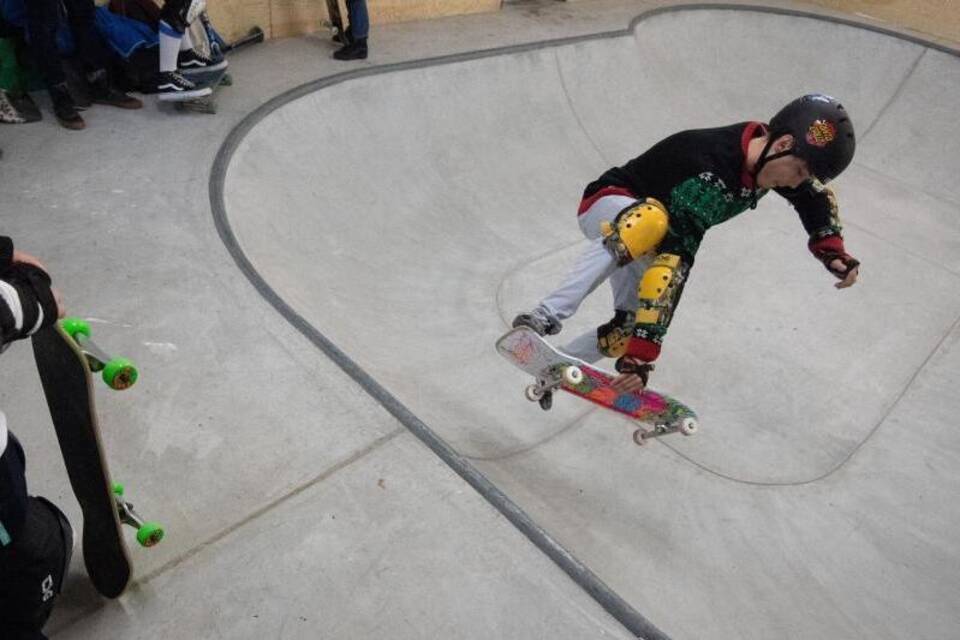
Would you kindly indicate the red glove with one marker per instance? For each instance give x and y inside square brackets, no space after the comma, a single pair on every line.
[830,248]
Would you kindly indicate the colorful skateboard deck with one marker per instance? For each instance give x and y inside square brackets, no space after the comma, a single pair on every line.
[64,364]
[553,369]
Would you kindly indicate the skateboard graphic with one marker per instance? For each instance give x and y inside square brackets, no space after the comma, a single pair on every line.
[66,358]
[552,369]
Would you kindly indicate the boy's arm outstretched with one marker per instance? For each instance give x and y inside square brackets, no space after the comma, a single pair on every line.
[817,206]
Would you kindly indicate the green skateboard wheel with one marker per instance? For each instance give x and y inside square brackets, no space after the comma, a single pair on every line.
[74,326]
[120,374]
[118,488]
[149,534]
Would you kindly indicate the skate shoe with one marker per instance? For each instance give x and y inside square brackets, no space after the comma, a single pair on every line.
[540,321]
[103,91]
[546,400]
[65,109]
[192,61]
[173,86]
[355,49]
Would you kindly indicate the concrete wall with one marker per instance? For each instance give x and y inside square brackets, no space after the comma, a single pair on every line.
[938,18]
[282,18]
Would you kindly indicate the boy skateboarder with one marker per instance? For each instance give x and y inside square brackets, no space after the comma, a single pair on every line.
[646,220]
[36,540]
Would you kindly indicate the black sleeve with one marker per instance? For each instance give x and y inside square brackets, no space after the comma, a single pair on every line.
[27,288]
[817,208]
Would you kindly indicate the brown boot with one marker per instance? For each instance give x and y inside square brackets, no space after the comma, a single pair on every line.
[102,91]
[64,109]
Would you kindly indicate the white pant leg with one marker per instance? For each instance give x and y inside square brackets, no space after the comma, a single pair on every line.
[584,347]
[626,283]
[593,266]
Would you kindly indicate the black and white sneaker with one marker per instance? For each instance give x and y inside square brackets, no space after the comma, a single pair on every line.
[192,61]
[173,86]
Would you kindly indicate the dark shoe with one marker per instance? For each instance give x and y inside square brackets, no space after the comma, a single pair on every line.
[343,37]
[171,85]
[546,400]
[64,109]
[8,112]
[355,50]
[192,61]
[102,91]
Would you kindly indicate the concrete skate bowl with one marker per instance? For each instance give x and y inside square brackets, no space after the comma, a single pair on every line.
[405,213]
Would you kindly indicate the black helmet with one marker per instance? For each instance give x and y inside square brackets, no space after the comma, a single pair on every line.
[822,133]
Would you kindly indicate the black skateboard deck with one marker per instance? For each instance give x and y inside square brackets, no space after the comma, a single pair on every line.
[68,387]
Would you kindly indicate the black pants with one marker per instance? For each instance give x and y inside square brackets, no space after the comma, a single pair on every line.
[43,18]
[33,565]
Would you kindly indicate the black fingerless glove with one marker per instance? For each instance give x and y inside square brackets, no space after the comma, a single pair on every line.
[625,365]
[830,248]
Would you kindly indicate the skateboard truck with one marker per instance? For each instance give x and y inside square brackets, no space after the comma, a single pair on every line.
[148,533]
[687,426]
[556,378]
[118,373]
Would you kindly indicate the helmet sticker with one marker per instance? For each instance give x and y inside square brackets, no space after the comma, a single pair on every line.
[821,133]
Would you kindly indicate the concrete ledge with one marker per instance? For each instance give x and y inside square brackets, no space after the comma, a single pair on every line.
[285,18]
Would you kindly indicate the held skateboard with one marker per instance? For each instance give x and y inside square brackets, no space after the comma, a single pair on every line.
[658,414]
[65,358]
[336,20]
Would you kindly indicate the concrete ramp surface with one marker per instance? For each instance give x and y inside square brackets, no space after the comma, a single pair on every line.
[407,213]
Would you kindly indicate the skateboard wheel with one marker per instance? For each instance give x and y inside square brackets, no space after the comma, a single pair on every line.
[573,375]
[149,534]
[638,437]
[118,488]
[533,393]
[688,426]
[75,326]
[120,374]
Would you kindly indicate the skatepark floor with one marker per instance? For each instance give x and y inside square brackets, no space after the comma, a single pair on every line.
[312,280]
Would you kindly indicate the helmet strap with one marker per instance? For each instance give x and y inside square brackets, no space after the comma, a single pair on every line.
[764,158]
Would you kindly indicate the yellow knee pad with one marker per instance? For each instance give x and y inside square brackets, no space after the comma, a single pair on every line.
[659,289]
[636,230]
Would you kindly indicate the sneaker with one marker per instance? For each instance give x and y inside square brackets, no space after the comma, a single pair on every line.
[546,400]
[356,49]
[540,321]
[8,112]
[173,86]
[102,91]
[64,109]
[192,61]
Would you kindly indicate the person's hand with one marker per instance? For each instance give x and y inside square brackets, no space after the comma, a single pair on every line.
[21,257]
[633,377]
[837,266]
